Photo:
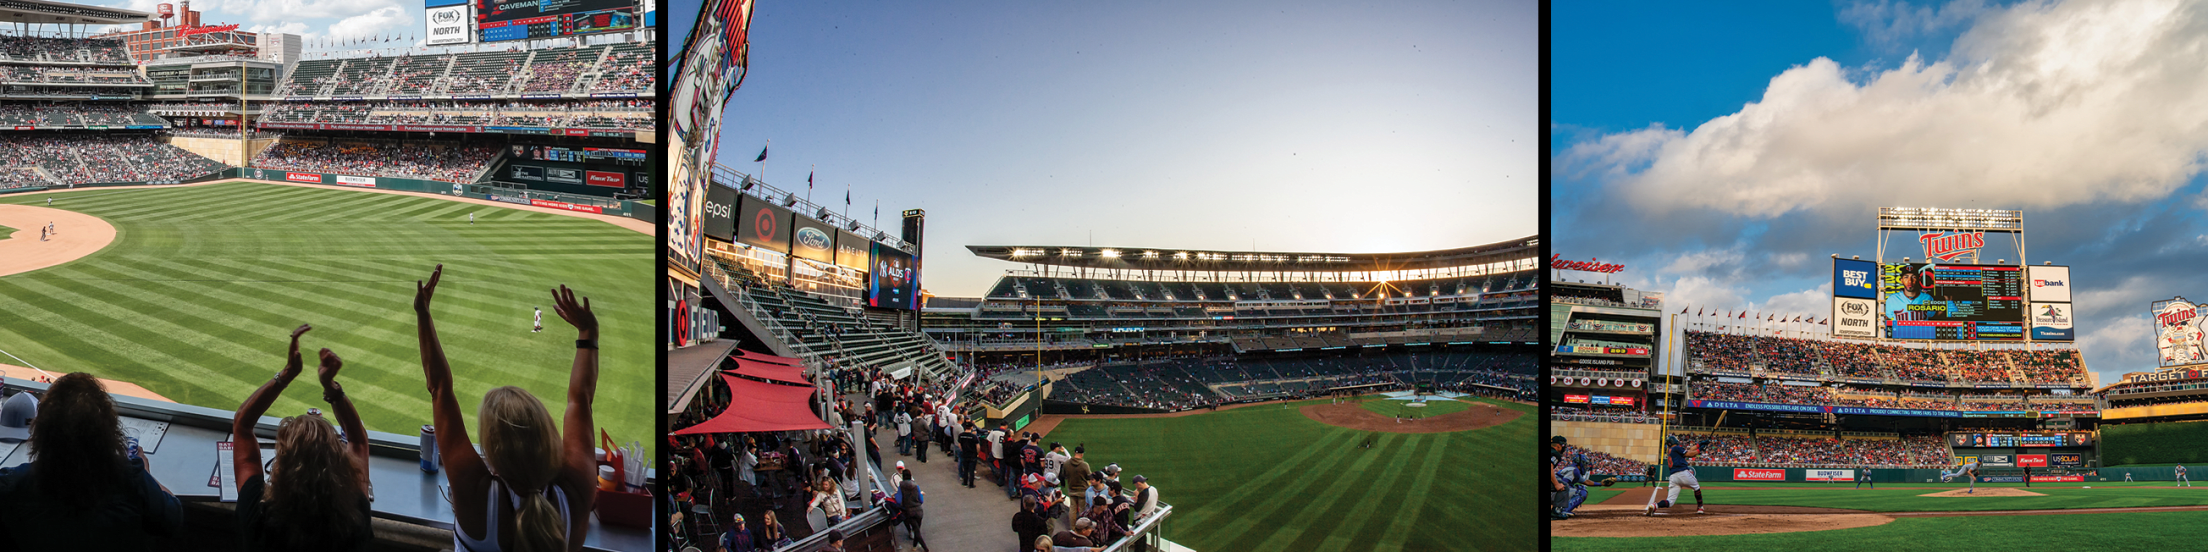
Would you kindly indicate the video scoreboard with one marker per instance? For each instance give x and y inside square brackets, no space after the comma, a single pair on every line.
[1952,302]
[500,20]
[2020,440]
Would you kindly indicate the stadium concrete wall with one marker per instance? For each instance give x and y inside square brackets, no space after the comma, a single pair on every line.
[224,150]
[2163,443]
[1623,440]
[1727,474]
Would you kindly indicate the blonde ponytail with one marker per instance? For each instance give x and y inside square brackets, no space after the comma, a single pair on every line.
[537,525]
[522,446]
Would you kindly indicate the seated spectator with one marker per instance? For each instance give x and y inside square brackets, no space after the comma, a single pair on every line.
[83,490]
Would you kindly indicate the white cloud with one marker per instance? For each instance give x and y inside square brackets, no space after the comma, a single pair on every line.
[380,21]
[2040,105]
[1814,302]
[287,28]
[1889,23]
[2127,341]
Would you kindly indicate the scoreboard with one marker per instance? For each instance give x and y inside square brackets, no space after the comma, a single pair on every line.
[500,20]
[1952,302]
[2020,440]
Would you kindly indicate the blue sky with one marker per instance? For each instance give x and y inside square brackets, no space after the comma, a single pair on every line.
[1298,126]
[1724,154]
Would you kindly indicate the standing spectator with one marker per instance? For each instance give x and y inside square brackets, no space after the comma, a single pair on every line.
[920,433]
[1054,462]
[1076,470]
[969,445]
[80,491]
[1078,535]
[904,432]
[1030,523]
[910,498]
[1146,498]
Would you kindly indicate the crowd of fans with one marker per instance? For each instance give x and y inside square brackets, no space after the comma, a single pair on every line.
[624,114]
[99,158]
[440,162]
[20,176]
[75,114]
[1605,464]
[1820,452]
[1739,353]
[1842,395]
[626,69]
[36,48]
[1622,414]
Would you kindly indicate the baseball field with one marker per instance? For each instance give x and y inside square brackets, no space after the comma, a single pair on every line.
[197,293]
[1893,516]
[1268,477]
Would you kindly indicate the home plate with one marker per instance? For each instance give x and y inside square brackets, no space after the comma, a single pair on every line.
[1990,491]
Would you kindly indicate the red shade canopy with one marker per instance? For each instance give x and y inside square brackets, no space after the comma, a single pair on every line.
[761,407]
[767,358]
[769,371]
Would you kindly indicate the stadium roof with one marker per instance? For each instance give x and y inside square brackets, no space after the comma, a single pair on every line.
[1154,258]
[57,13]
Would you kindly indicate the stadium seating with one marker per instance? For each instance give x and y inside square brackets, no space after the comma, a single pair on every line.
[1821,451]
[426,161]
[76,114]
[76,50]
[1725,353]
[588,69]
[618,114]
[1914,398]
[817,328]
[98,158]
[1194,381]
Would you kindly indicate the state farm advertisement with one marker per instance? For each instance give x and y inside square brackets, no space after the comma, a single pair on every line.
[2031,460]
[565,205]
[303,177]
[1752,474]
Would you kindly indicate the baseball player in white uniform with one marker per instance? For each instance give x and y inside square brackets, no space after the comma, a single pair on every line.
[540,319]
[2181,476]
[1682,475]
[1968,469]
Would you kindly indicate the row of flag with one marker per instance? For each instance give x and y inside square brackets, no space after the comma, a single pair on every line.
[348,41]
[1760,317]
[809,184]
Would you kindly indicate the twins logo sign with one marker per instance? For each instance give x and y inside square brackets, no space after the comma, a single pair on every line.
[2178,333]
[1946,247]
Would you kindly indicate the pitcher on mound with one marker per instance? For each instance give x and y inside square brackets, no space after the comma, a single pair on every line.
[1682,475]
[1967,469]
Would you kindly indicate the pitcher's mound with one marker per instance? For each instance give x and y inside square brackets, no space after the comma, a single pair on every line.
[1988,491]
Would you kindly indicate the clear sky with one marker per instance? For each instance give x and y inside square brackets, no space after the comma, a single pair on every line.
[1287,126]
[1723,152]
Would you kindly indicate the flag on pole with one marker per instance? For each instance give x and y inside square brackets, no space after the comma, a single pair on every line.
[762,155]
[808,183]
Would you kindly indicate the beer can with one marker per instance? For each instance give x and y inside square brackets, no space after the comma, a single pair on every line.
[429,449]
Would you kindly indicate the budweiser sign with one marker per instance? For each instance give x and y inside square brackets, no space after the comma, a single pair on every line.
[1946,247]
[1590,265]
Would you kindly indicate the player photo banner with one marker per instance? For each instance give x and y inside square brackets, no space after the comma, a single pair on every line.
[812,239]
[2051,322]
[2177,332]
[1756,474]
[1828,475]
[1854,317]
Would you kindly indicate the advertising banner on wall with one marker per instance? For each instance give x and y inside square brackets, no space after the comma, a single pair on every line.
[2049,284]
[1854,278]
[812,239]
[764,224]
[1828,475]
[2051,322]
[357,181]
[1853,317]
[720,212]
[1758,474]
[449,25]
[852,251]
[2031,460]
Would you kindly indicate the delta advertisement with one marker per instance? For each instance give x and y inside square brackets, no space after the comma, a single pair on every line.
[894,283]
[852,251]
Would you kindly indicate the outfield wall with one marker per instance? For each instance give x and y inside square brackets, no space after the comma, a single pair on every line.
[1623,440]
[2162,443]
[1845,476]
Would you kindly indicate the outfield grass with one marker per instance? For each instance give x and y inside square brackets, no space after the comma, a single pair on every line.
[5,232]
[2145,531]
[1433,408]
[1268,478]
[196,298]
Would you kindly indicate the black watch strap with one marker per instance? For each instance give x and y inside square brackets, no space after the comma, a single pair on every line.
[591,344]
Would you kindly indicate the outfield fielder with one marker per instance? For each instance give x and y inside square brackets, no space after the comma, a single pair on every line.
[1682,475]
[540,319]
[1969,469]
[2181,476]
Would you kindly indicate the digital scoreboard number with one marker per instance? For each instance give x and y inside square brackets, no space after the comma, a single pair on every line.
[1952,302]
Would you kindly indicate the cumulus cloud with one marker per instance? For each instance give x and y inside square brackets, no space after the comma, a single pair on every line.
[2038,105]
[1889,23]
[376,22]
[2120,345]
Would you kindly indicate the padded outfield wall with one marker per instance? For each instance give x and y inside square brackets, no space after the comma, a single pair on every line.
[2163,443]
